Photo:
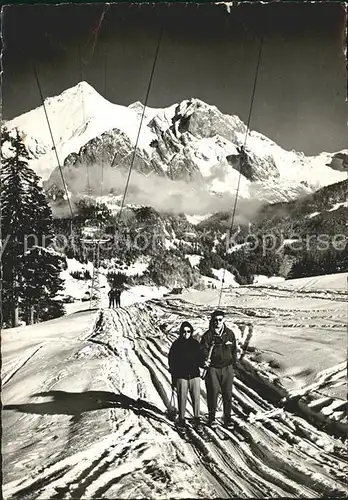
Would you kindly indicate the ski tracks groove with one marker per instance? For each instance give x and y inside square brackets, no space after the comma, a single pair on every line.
[273,458]
[8,376]
[282,456]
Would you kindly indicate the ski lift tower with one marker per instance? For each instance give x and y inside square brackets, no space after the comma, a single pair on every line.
[94,241]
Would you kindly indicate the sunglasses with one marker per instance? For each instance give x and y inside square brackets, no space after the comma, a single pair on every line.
[187,330]
[218,320]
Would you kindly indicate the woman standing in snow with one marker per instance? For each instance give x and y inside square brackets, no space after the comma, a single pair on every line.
[185,358]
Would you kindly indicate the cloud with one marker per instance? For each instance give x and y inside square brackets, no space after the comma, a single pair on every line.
[161,193]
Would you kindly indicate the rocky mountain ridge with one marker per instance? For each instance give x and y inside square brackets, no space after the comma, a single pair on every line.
[190,143]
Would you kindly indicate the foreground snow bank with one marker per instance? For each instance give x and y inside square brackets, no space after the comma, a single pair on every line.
[84,410]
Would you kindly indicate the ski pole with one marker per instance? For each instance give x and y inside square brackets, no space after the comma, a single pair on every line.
[204,373]
[247,341]
[172,399]
[171,410]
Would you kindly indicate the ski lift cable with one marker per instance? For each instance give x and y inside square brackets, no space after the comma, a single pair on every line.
[96,247]
[83,111]
[96,256]
[53,142]
[96,250]
[105,68]
[105,72]
[141,121]
[242,149]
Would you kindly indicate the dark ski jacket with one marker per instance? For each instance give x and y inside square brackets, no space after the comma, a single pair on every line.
[185,358]
[225,348]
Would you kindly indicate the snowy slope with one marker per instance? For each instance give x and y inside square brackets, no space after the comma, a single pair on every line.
[295,166]
[223,274]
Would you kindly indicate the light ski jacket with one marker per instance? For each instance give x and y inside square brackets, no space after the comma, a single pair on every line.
[225,348]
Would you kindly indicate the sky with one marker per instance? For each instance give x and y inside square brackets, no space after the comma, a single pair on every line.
[205,52]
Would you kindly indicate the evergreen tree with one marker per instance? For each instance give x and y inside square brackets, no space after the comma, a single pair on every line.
[40,273]
[15,226]
[26,220]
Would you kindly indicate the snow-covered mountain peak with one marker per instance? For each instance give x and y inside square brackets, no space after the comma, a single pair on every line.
[76,116]
[138,107]
[189,141]
[82,89]
[149,113]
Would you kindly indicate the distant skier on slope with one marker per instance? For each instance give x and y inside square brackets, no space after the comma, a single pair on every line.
[221,342]
[111,295]
[185,358]
[118,297]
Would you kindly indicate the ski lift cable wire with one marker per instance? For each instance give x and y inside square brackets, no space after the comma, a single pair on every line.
[96,256]
[53,141]
[83,111]
[96,246]
[96,249]
[141,121]
[48,121]
[105,73]
[138,135]
[242,149]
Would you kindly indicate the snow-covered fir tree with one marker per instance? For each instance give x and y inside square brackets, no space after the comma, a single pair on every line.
[26,221]
[40,273]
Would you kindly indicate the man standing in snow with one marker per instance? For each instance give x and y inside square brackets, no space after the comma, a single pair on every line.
[118,297]
[220,367]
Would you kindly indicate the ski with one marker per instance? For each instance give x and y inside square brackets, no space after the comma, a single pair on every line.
[237,429]
[183,432]
[200,429]
[225,434]
[230,433]
[216,433]
[212,431]
[220,434]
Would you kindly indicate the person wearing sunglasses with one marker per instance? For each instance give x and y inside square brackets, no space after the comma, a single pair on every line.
[185,359]
[220,341]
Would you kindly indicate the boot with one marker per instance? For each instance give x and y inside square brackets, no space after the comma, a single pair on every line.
[228,424]
[212,421]
[180,423]
[196,421]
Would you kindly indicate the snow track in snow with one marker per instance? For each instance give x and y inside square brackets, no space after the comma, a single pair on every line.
[266,464]
[143,456]
[12,372]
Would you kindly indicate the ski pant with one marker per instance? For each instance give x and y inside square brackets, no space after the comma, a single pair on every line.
[219,379]
[111,302]
[183,386]
[118,302]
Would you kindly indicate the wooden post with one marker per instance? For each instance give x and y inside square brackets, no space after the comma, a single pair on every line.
[15,316]
[15,307]
[30,319]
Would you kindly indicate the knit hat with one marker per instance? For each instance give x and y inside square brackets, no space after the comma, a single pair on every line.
[216,313]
